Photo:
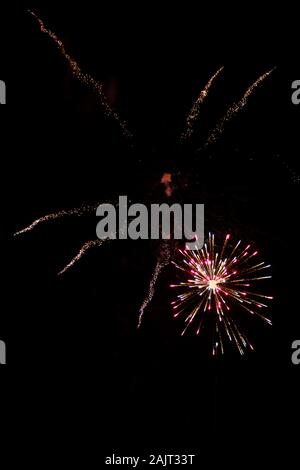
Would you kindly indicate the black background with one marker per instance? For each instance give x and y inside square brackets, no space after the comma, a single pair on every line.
[80,377]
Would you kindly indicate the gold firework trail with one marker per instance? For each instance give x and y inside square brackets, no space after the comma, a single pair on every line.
[84,78]
[83,250]
[195,110]
[235,109]
[80,211]
[71,212]
[162,262]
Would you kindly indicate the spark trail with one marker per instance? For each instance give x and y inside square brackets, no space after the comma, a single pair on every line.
[162,261]
[80,211]
[235,109]
[82,252]
[194,113]
[84,78]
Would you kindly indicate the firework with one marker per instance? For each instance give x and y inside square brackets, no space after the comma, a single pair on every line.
[82,252]
[219,282]
[217,285]
[194,113]
[84,78]
[76,211]
[162,261]
[235,109]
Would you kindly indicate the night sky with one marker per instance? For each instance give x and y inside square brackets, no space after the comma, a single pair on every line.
[76,361]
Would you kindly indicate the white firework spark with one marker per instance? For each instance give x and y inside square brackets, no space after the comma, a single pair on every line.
[235,109]
[84,78]
[162,261]
[82,252]
[195,111]
[77,211]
